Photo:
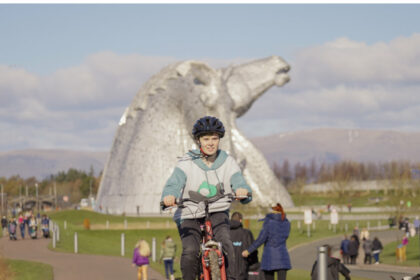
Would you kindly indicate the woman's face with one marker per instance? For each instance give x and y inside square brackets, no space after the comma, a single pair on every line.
[209,143]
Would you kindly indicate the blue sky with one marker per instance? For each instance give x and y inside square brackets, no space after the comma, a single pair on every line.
[44,38]
[357,66]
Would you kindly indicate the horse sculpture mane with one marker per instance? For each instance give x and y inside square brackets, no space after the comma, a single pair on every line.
[156,129]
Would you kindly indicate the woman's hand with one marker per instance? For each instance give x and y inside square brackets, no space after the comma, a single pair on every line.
[245,254]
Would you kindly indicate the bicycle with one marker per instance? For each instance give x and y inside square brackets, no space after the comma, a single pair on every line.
[212,265]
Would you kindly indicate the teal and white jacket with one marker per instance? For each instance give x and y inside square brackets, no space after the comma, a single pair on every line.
[192,174]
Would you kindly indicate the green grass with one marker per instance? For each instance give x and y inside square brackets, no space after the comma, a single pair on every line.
[107,242]
[388,255]
[25,270]
[357,199]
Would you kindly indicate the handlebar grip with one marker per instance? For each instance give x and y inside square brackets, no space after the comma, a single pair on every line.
[163,206]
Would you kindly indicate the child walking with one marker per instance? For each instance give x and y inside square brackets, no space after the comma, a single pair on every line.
[167,254]
[141,259]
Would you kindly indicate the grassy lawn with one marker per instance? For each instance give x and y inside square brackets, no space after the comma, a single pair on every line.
[108,242]
[24,270]
[357,199]
[412,252]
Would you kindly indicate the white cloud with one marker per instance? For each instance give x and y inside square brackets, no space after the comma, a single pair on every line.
[345,84]
[347,62]
[342,83]
[76,107]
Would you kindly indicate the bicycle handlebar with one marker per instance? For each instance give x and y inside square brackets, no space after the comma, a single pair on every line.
[200,198]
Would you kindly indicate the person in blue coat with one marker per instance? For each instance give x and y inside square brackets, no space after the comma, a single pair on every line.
[275,231]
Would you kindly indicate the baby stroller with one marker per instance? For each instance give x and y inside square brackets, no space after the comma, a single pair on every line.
[255,272]
[12,231]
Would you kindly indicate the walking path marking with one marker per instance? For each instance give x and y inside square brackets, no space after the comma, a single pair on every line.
[68,266]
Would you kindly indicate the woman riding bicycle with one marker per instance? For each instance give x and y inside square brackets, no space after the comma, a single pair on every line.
[210,172]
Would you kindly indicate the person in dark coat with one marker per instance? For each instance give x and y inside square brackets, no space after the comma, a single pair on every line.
[334,267]
[241,238]
[353,249]
[275,231]
[4,225]
[344,249]
[376,249]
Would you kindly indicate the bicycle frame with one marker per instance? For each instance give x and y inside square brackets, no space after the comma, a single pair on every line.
[209,244]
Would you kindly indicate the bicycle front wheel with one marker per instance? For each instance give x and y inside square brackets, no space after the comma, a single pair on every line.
[214,265]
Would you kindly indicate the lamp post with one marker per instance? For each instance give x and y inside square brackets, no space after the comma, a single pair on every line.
[2,194]
[37,200]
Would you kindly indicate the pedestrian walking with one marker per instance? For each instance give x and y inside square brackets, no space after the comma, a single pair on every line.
[344,250]
[4,224]
[167,255]
[376,249]
[353,249]
[45,226]
[364,234]
[241,239]
[141,256]
[21,222]
[356,232]
[274,234]
[367,248]
[12,229]
[334,268]
[416,224]
[33,227]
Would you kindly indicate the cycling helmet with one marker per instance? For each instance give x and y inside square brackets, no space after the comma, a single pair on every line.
[208,124]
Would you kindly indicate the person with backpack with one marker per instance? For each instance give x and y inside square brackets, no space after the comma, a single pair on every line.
[241,239]
[167,254]
[274,234]
[334,268]
[141,256]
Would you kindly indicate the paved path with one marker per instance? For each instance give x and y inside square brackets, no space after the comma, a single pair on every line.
[68,266]
[304,256]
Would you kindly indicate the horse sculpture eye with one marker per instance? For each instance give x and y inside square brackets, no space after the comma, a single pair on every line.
[197,81]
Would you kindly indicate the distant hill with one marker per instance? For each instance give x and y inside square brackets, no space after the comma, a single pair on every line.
[323,145]
[332,145]
[42,163]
